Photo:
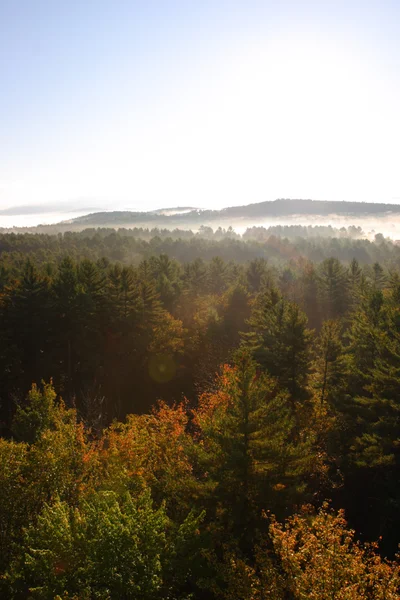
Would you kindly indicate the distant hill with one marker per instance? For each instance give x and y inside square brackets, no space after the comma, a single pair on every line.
[250,214]
[276,208]
[285,207]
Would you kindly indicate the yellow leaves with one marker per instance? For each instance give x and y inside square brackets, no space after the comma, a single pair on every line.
[168,336]
[321,560]
[150,450]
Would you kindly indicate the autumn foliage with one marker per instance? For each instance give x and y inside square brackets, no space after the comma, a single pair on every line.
[192,421]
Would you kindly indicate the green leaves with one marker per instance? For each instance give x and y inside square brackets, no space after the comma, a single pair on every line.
[109,546]
[280,341]
[252,446]
[37,414]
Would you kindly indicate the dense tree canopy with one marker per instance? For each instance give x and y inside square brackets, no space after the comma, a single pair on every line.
[175,409]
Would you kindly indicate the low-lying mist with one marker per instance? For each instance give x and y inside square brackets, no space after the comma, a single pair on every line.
[354,226]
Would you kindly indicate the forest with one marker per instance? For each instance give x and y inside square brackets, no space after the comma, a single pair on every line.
[201,415]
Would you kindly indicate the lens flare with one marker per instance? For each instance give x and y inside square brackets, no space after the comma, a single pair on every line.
[162,368]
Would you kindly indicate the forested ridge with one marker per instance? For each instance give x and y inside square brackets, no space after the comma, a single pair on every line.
[205,416]
[184,217]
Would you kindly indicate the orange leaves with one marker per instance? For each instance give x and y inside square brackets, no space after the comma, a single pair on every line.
[151,450]
[322,560]
[209,403]
[317,559]
[219,399]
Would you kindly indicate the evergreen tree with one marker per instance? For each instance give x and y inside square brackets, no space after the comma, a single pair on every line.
[251,450]
[369,417]
[258,274]
[123,294]
[362,345]
[329,363]
[309,292]
[280,342]
[334,288]
[95,321]
[378,276]
[357,283]
[25,345]
[151,306]
[166,274]
[235,313]
[67,323]
[195,277]
[217,271]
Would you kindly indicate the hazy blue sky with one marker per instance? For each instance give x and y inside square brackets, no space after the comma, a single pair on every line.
[126,104]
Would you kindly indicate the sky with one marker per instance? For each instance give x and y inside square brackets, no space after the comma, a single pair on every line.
[126,105]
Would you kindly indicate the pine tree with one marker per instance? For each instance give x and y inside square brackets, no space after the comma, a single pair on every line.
[67,324]
[310,295]
[124,294]
[378,277]
[166,274]
[234,315]
[217,271]
[329,363]
[25,352]
[95,321]
[151,307]
[258,275]
[356,283]
[362,344]
[248,442]
[280,342]
[195,278]
[334,288]
[370,416]
[287,283]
